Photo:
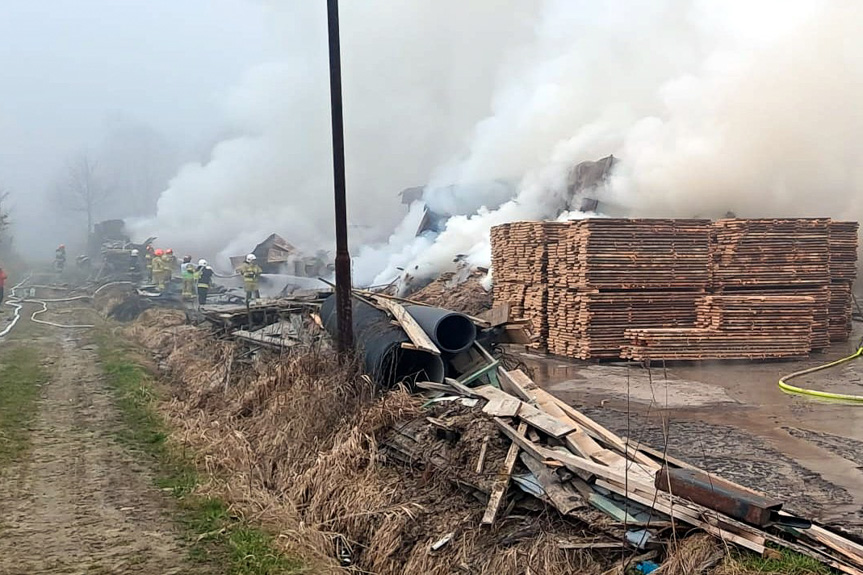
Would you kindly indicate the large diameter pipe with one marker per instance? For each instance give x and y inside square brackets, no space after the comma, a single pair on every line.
[379,343]
[452,332]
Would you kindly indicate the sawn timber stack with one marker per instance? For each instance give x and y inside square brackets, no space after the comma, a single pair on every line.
[583,283]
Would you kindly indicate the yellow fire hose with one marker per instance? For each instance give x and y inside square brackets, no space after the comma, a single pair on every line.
[788,388]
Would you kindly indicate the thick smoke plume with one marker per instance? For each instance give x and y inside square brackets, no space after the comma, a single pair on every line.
[747,106]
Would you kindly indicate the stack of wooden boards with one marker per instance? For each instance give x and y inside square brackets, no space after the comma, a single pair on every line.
[595,287]
[523,283]
[843,272]
[573,461]
[735,326]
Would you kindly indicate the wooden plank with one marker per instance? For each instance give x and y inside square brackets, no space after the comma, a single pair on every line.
[681,513]
[481,460]
[434,386]
[528,413]
[510,384]
[498,315]
[460,387]
[849,549]
[663,457]
[604,434]
[579,441]
[563,497]
[572,462]
[478,321]
[417,335]
[518,334]
[502,483]
[502,407]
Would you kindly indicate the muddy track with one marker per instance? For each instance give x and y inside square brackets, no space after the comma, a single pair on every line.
[79,501]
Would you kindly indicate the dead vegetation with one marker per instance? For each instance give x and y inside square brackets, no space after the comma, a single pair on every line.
[348,479]
[297,442]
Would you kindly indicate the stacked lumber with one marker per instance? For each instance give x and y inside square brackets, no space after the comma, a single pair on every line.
[581,283]
[518,252]
[536,310]
[840,310]
[572,463]
[560,252]
[769,252]
[820,308]
[738,326]
[519,259]
[510,293]
[843,272]
[592,325]
[638,254]
[843,251]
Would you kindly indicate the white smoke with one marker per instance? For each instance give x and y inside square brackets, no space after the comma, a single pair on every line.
[748,106]
[415,82]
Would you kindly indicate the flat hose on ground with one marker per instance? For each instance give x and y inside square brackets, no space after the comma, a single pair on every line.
[15,302]
[788,388]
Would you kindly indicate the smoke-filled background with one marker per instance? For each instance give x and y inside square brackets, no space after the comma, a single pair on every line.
[745,106]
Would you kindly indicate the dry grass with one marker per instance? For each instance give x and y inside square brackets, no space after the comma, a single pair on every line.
[293,441]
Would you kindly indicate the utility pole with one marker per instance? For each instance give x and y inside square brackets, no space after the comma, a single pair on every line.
[344,311]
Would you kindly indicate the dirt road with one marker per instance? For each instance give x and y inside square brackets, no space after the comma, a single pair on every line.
[79,501]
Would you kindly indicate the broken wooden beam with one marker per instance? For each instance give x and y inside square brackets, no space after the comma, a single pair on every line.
[502,483]
[419,338]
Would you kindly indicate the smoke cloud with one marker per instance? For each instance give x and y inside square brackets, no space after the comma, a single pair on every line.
[416,80]
[744,106]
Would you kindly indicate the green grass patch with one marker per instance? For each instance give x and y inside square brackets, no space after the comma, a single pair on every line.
[789,562]
[216,535]
[21,377]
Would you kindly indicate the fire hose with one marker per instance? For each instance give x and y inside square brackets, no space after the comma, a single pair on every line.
[17,304]
[788,388]
[44,304]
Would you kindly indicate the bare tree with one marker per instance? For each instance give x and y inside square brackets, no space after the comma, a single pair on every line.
[81,188]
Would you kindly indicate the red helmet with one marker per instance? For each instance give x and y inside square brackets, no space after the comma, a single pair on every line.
[159,252]
[169,251]
[61,247]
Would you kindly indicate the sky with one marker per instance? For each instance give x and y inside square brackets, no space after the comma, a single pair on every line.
[72,67]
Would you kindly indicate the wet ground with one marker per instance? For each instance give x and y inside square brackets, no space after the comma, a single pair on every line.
[731,418]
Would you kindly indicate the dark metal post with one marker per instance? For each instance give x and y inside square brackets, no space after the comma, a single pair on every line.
[343,256]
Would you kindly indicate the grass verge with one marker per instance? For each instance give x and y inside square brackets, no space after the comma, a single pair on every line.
[21,375]
[216,536]
[787,562]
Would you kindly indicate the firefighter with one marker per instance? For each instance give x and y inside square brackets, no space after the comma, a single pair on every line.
[170,266]
[148,258]
[135,263]
[251,273]
[188,272]
[60,258]
[204,275]
[159,269]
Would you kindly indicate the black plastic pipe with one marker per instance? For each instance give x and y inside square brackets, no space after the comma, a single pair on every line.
[379,344]
[451,331]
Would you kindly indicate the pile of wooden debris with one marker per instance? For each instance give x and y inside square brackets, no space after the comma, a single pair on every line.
[571,463]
